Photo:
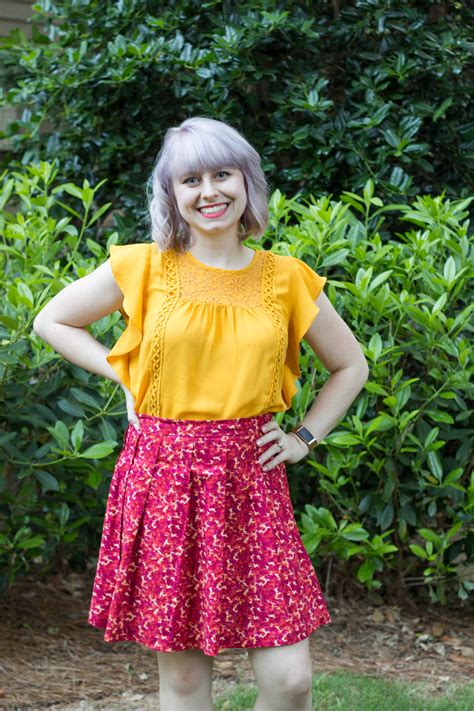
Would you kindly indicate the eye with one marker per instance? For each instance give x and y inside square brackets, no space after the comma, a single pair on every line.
[219,173]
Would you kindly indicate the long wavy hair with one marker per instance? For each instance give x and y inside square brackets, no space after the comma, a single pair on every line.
[199,144]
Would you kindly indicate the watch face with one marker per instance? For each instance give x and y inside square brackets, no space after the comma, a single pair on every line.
[307,435]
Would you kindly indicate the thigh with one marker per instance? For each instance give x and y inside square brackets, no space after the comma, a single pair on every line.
[190,665]
[281,667]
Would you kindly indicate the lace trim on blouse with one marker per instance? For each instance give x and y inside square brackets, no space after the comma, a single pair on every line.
[269,277]
[220,286]
[157,343]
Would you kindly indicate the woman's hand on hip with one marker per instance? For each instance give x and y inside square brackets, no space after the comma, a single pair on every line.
[131,414]
[293,448]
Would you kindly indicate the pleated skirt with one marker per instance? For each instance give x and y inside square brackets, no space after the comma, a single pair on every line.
[200,548]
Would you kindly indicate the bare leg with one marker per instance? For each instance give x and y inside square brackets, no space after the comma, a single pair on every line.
[284,677]
[185,680]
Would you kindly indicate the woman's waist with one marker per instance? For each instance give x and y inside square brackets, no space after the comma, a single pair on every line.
[244,426]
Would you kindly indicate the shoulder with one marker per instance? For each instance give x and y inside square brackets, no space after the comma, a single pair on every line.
[133,257]
[134,250]
[296,281]
[292,267]
[130,263]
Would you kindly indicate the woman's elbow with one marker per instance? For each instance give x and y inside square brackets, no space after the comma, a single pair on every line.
[39,325]
[365,370]
[361,371]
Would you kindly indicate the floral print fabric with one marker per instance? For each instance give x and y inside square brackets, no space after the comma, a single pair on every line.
[200,547]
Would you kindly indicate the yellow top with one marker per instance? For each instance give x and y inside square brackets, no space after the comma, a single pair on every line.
[207,343]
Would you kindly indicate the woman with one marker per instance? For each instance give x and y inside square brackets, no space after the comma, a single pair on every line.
[200,550]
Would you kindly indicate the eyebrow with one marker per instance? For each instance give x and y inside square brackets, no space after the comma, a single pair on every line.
[197,172]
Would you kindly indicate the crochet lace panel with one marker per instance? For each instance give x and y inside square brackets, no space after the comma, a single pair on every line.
[269,301]
[157,342]
[253,286]
[219,286]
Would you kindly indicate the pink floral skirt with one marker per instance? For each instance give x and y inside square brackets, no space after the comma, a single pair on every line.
[200,547]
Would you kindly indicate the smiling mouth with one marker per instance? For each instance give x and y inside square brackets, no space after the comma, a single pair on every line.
[214,210]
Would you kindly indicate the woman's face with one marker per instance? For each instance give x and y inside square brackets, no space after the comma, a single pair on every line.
[223,189]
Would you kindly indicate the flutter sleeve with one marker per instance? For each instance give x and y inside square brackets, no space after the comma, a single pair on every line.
[130,266]
[305,285]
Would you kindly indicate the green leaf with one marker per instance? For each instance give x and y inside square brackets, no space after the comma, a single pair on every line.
[99,213]
[85,398]
[25,295]
[77,435]
[60,433]
[440,416]
[375,346]
[343,440]
[94,479]
[71,408]
[72,190]
[47,480]
[366,571]
[387,517]
[449,270]
[64,513]
[32,542]
[435,465]
[99,451]
[354,532]
[430,536]
[375,388]
[420,552]
[368,190]
[391,138]
[442,108]
[382,423]
[379,279]
[453,476]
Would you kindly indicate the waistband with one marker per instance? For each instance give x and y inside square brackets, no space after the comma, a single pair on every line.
[150,424]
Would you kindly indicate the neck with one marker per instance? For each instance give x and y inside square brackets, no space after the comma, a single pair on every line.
[221,253]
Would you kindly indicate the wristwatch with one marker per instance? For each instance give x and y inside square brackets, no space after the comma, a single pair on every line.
[306,436]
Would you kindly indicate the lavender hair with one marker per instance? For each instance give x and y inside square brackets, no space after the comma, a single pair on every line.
[196,145]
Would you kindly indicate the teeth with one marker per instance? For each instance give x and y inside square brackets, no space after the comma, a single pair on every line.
[210,210]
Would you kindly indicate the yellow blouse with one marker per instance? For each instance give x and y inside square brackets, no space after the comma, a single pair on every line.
[207,343]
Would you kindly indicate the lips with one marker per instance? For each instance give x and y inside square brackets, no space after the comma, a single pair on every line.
[216,204]
[219,212]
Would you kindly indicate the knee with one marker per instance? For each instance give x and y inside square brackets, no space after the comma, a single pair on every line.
[186,680]
[292,683]
[184,673]
[298,684]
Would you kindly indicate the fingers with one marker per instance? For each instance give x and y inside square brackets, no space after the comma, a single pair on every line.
[131,414]
[134,421]
[270,425]
[276,435]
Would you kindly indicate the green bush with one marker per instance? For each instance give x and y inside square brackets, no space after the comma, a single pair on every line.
[390,489]
[395,475]
[60,423]
[330,94]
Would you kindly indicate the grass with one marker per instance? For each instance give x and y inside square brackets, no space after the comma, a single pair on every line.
[351,692]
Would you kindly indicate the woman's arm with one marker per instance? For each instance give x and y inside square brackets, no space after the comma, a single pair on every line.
[335,345]
[61,322]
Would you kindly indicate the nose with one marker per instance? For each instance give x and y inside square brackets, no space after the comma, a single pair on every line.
[208,189]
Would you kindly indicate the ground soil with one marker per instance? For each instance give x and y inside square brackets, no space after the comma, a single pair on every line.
[50,657]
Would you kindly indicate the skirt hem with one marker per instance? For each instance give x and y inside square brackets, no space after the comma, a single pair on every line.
[294,639]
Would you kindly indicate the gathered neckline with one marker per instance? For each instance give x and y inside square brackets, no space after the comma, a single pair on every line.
[220,269]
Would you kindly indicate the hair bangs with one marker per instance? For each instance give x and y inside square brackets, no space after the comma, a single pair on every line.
[194,152]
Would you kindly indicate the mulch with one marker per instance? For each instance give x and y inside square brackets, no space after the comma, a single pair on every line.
[50,657]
